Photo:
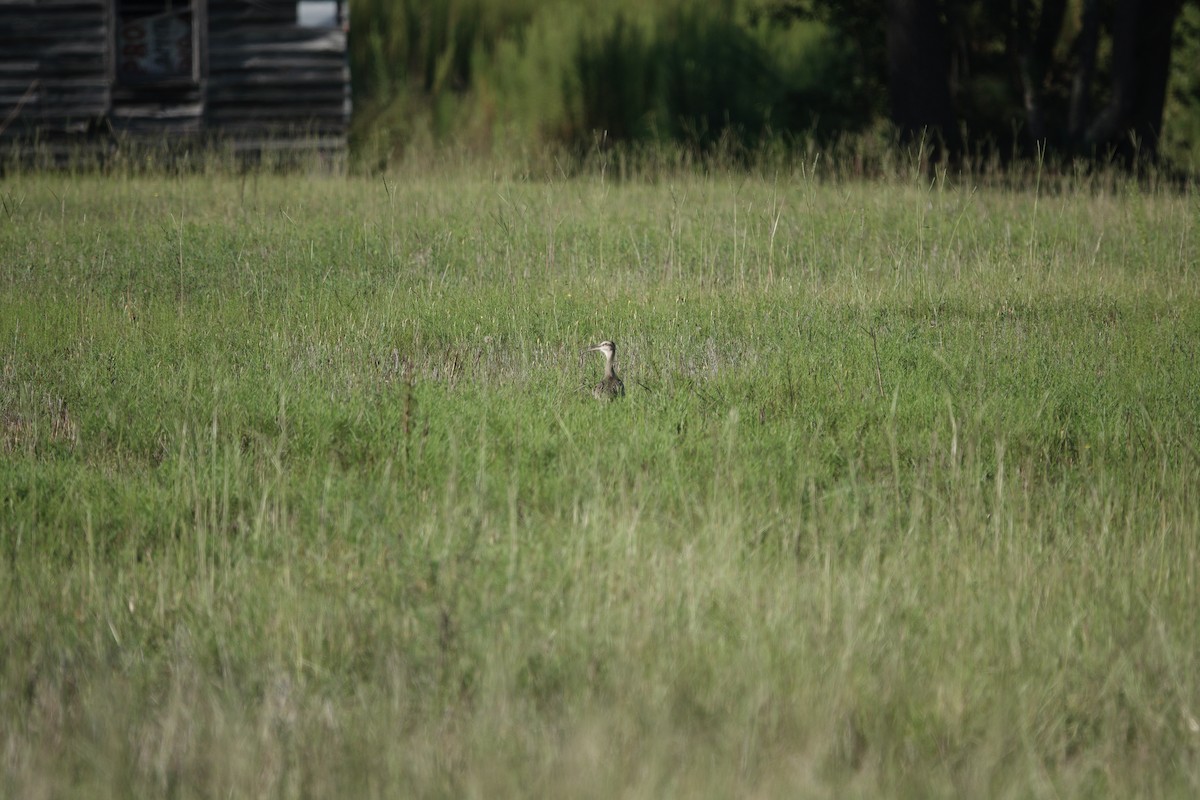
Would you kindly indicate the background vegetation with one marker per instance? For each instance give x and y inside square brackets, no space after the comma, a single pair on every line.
[299,494]
[737,75]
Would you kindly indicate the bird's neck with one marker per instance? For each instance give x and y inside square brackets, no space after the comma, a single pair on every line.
[609,372]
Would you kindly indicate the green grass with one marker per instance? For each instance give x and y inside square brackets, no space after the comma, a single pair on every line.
[300,496]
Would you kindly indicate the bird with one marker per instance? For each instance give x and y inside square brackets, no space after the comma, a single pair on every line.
[610,387]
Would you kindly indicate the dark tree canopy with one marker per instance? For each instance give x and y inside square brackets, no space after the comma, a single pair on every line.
[1076,78]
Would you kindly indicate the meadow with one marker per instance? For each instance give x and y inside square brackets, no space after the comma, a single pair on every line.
[302,493]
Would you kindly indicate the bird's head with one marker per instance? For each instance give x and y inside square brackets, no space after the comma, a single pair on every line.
[608,348]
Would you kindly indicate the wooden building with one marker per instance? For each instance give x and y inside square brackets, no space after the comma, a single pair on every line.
[253,73]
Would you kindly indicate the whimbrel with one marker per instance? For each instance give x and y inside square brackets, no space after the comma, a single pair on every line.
[611,387]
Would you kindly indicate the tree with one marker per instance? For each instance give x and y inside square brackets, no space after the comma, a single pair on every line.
[1130,122]
[1141,63]
[1022,75]
[918,71]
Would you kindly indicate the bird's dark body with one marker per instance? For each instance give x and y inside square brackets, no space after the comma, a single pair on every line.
[609,389]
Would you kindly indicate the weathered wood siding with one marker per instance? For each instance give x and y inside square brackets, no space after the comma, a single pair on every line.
[54,77]
[269,77]
[261,80]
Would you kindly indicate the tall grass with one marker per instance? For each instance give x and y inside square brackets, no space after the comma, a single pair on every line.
[300,493]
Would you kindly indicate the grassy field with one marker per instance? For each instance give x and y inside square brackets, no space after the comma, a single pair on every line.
[300,495]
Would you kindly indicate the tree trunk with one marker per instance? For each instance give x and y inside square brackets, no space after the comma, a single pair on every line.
[1029,72]
[1132,120]
[1084,50]
[1032,56]
[918,56]
[1154,57]
[1049,29]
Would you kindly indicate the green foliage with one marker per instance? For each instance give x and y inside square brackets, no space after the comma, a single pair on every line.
[617,81]
[299,493]
[568,73]
[1181,118]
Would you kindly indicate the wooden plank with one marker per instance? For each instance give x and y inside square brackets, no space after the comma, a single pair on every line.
[276,84]
[284,38]
[191,111]
[15,30]
[271,31]
[16,81]
[15,45]
[218,67]
[75,49]
[38,27]
[226,20]
[57,116]
[165,95]
[335,74]
[278,115]
[58,72]
[282,96]
[57,7]
[49,97]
